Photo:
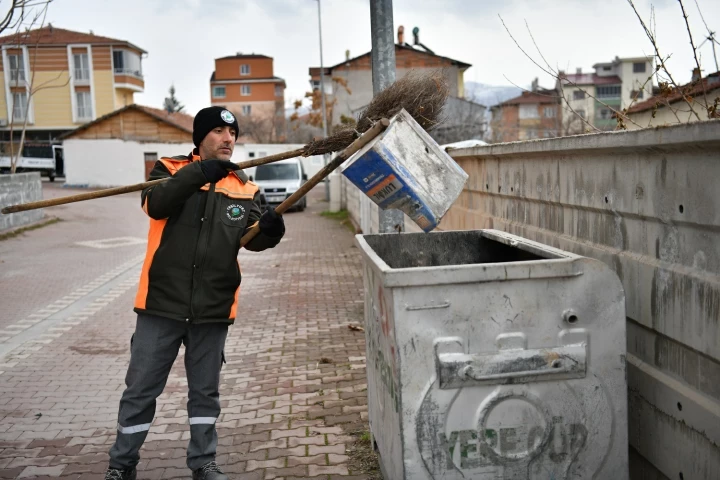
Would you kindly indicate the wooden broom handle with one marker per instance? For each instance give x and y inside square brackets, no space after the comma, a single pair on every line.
[359,143]
[108,192]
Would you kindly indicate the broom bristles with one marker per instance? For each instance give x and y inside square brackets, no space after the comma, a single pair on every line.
[423,95]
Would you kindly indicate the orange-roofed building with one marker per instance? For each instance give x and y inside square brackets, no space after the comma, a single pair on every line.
[83,76]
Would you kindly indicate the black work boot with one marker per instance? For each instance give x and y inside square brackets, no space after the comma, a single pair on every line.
[209,471]
[117,474]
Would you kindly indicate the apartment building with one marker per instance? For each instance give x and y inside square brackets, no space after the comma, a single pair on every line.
[611,86]
[348,85]
[55,80]
[532,114]
[246,84]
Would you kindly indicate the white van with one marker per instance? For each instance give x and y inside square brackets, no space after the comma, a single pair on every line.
[279,180]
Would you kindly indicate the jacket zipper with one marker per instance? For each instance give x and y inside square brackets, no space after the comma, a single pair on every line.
[207,227]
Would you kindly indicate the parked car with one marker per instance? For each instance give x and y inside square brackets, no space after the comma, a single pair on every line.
[279,180]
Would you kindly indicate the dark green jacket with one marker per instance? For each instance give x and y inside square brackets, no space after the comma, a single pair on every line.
[191,272]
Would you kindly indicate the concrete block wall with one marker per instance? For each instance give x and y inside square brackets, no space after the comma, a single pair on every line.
[646,203]
[20,188]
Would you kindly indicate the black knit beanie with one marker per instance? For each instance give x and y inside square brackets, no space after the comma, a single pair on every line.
[209,118]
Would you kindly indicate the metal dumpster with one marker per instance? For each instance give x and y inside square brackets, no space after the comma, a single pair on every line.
[493,357]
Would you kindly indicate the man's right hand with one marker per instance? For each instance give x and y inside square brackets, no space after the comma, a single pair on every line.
[216,170]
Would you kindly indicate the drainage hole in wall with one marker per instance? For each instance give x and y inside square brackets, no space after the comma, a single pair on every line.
[681,476]
[427,150]
[499,188]
[556,364]
[679,405]
[606,200]
[487,187]
[512,189]
[572,319]
[681,208]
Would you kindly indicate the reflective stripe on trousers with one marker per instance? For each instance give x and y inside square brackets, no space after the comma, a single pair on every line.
[202,420]
[155,346]
[134,429]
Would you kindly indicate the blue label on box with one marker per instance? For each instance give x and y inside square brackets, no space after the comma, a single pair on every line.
[389,185]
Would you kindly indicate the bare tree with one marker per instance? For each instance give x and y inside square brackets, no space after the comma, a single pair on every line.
[464,119]
[693,93]
[31,13]
[300,131]
[314,116]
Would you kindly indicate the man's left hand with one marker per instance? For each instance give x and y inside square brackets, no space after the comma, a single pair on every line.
[272,224]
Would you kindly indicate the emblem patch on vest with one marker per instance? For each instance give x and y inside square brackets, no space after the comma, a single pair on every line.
[235,212]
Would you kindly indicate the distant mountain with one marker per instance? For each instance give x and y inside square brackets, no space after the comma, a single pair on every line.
[490,95]
[300,111]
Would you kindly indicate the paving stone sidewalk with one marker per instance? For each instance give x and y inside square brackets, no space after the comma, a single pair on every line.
[293,387]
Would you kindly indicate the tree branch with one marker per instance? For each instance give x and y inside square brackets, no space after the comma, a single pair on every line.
[697,62]
[652,39]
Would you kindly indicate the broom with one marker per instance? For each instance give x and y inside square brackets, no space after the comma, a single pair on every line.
[423,95]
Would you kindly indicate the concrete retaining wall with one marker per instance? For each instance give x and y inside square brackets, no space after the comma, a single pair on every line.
[20,188]
[647,203]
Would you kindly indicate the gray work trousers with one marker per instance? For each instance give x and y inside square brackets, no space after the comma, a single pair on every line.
[154,348]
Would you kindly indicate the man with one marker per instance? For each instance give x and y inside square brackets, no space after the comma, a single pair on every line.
[188,289]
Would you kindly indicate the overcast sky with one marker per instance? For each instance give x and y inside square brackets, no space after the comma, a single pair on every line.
[183,37]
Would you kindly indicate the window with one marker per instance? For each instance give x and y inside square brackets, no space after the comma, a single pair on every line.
[608,91]
[19,106]
[605,114]
[126,62]
[316,86]
[82,67]
[277,171]
[251,155]
[549,112]
[218,92]
[531,134]
[17,67]
[636,94]
[639,67]
[278,91]
[581,112]
[244,69]
[578,95]
[245,90]
[247,109]
[549,134]
[529,111]
[607,69]
[84,106]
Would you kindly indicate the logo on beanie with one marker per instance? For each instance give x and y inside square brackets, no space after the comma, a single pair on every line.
[235,212]
[227,116]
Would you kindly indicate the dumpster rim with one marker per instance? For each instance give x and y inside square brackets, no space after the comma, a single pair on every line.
[477,272]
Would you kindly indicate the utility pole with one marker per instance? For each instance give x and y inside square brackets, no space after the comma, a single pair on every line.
[322,99]
[383,75]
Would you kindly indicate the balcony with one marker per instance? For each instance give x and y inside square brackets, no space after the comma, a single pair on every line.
[127,69]
[129,72]
[129,79]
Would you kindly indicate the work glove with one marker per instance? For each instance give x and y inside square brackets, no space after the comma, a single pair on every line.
[216,170]
[272,224]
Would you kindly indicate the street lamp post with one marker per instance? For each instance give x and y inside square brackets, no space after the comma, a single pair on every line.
[322,99]
[383,75]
